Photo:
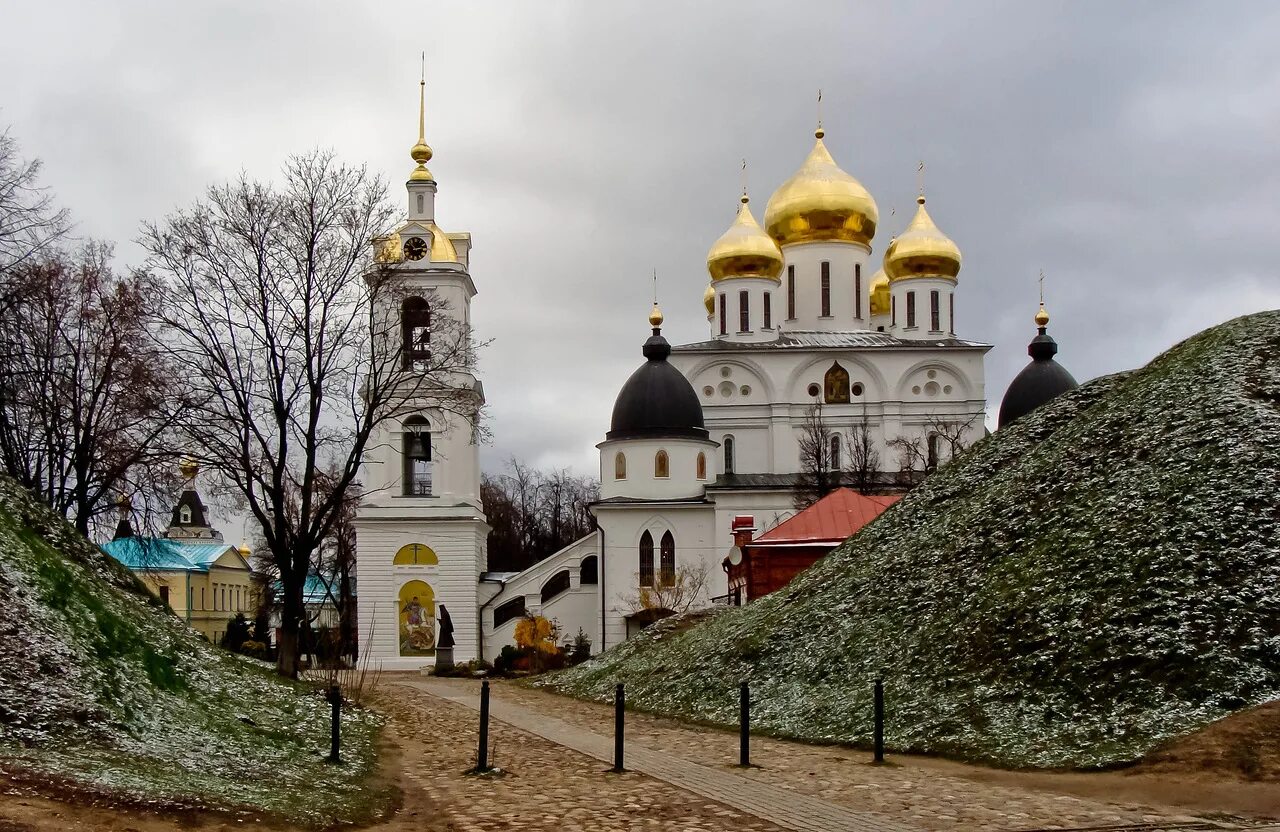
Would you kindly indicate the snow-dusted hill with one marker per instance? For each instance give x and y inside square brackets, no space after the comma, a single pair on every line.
[103,687]
[1100,576]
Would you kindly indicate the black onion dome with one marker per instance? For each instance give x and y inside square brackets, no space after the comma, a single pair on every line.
[1039,382]
[657,401]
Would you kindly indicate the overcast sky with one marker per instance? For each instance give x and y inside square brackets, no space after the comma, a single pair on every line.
[1129,150]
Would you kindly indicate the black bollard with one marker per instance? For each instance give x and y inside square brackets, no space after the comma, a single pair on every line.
[335,723]
[879,724]
[744,726]
[482,759]
[619,708]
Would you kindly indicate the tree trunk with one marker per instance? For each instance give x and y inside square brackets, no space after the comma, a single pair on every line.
[290,628]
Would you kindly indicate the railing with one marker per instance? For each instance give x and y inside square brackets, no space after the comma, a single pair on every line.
[419,485]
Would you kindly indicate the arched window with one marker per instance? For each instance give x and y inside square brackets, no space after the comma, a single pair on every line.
[416,455]
[934,444]
[589,572]
[667,573]
[661,465]
[728,455]
[835,452]
[508,611]
[646,559]
[702,465]
[559,583]
[619,466]
[835,388]
[415,324]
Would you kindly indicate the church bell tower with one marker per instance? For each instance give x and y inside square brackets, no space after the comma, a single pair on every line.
[420,530]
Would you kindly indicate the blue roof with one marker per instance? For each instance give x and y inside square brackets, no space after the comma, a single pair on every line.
[318,590]
[161,553]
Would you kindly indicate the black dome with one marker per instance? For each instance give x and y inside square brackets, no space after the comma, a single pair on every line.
[657,401]
[1040,381]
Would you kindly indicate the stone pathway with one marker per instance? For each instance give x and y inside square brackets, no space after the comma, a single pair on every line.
[770,803]
[802,786]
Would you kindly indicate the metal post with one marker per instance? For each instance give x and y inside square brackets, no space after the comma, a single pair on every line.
[879,723]
[335,723]
[482,759]
[619,709]
[744,726]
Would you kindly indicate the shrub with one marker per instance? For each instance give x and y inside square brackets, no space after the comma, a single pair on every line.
[237,633]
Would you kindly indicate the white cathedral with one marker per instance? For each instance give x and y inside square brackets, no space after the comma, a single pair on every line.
[701,433]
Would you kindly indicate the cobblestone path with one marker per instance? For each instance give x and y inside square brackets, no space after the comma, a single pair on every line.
[779,806]
[801,786]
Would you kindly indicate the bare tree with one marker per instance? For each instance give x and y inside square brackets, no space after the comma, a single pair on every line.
[533,514]
[30,222]
[820,468]
[862,465]
[287,325]
[87,399]
[922,453]
[676,593]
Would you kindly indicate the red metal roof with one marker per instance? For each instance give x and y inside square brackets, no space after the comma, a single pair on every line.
[833,518]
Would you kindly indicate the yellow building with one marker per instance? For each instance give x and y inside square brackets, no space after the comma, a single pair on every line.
[205,584]
[203,579]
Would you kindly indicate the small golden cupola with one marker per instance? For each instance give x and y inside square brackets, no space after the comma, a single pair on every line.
[880,302]
[421,151]
[709,300]
[922,250]
[744,250]
[821,202]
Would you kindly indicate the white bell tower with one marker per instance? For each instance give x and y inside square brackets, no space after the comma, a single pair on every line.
[421,532]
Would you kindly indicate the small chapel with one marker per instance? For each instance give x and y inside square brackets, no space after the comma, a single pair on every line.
[803,310]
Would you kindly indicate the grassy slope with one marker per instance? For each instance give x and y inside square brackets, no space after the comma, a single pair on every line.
[1100,576]
[101,685]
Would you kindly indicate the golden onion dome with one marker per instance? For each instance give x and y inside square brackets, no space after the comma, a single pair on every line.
[709,300]
[744,250]
[655,316]
[1042,317]
[922,250]
[390,249]
[245,551]
[880,302]
[421,151]
[821,202]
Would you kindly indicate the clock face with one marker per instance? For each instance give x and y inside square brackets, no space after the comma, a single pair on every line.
[415,248]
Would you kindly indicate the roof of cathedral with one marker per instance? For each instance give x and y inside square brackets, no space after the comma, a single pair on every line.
[808,339]
[657,401]
[1040,381]
[830,520]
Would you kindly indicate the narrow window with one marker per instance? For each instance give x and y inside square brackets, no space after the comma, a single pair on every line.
[620,466]
[952,299]
[164,595]
[935,312]
[933,451]
[646,559]
[724,320]
[415,323]
[202,606]
[791,293]
[911,309]
[826,289]
[661,465]
[702,465]
[417,457]
[893,311]
[667,573]
[420,204]
[728,454]
[835,452]
[857,290]
[768,312]
[744,311]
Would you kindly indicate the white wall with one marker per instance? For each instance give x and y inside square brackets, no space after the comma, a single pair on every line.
[642,481]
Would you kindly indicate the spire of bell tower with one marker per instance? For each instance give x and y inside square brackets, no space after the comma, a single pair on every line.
[422,184]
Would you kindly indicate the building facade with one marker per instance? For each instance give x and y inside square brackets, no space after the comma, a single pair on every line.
[802,317]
